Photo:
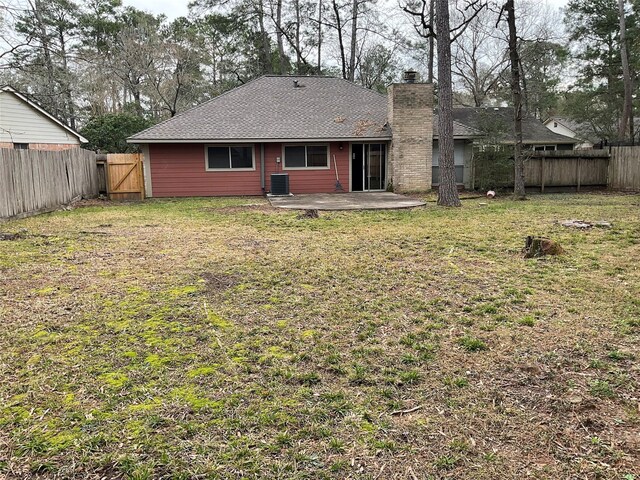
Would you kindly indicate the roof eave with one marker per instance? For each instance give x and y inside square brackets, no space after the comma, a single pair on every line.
[257,140]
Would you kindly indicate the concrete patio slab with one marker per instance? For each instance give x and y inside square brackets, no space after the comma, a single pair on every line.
[346,201]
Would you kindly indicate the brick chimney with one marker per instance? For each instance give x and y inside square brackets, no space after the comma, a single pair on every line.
[410,112]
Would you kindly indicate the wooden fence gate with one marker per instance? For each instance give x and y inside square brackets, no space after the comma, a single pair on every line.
[125,180]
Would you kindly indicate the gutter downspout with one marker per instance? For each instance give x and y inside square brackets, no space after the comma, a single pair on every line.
[262,177]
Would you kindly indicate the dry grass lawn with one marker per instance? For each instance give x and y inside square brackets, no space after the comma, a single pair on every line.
[219,338]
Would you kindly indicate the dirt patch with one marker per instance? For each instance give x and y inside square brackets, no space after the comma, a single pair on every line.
[248,243]
[93,202]
[219,282]
[253,208]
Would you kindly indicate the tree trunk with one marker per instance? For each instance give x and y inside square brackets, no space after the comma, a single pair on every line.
[319,37]
[266,49]
[354,33]
[627,110]
[447,191]
[431,42]
[298,20]
[518,187]
[70,107]
[343,59]
[45,42]
[281,58]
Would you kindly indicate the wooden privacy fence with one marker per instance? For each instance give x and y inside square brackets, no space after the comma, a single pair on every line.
[36,181]
[567,168]
[624,169]
[561,168]
[125,179]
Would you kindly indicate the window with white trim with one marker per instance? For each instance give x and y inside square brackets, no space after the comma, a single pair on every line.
[229,157]
[544,148]
[306,156]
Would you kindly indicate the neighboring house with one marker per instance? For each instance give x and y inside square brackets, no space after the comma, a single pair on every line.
[570,128]
[315,129]
[26,125]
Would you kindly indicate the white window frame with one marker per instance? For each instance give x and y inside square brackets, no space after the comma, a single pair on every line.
[305,145]
[544,148]
[229,146]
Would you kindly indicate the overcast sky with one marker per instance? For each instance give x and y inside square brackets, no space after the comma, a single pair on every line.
[177,8]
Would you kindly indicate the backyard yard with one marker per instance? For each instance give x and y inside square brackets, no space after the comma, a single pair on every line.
[222,338]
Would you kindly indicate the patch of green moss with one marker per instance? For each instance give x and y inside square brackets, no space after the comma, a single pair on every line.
[145,406]
[46,291]
[202,371]
[183,291]
[114,379]
[191,396]
[156,360]
[217,321]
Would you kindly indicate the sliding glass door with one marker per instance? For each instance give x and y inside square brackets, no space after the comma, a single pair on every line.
[368,167]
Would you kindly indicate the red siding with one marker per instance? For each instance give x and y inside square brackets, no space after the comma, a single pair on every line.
[178,170]
[310,181]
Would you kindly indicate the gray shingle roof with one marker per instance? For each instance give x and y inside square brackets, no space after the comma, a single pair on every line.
[501,118]
[271,108]
[459,130]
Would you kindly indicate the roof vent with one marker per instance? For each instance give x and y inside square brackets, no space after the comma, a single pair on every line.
[295,84]
[410,76]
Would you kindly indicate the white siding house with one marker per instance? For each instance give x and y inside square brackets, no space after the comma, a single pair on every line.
[24,124]
[569,129]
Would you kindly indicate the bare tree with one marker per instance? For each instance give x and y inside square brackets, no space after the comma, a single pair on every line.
[479,60]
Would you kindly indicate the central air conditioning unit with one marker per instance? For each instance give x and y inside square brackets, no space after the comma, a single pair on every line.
[279,184]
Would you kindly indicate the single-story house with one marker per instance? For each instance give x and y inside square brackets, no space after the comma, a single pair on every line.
[573,129]
[26,125]
[318,130]
[477,127]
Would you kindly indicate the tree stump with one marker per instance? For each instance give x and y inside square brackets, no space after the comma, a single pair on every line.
[309,214]
[540,246]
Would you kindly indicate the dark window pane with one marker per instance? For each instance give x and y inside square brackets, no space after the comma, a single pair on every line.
[459,173]
[241,157]
[435,175]
[317,156]
[293,157]
[218,157]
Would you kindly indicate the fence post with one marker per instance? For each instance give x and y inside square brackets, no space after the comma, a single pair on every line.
[542,160]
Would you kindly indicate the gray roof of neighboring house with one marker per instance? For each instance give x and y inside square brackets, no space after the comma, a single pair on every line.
[500,119]
[459,130]
[272,108]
